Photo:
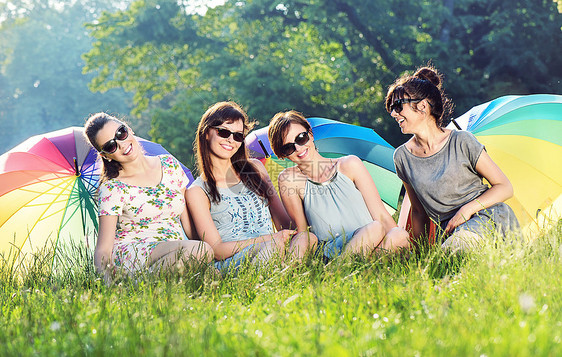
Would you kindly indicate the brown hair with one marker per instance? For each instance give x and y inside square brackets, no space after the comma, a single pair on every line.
[279,126]
[110,169]
[216,115]
[425,83]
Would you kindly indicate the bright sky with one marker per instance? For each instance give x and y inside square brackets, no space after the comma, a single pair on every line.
[196,6]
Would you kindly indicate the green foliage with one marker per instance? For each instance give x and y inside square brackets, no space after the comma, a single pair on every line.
[504,299]
[331,58]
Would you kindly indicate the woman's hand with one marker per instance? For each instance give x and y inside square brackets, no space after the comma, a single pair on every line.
[282,237]
[103,254]
[462,215]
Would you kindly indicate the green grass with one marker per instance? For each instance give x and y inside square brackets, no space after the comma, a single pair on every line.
[505,300]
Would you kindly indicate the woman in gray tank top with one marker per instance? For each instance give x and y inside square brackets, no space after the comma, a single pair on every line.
[335,198]
[442,170]
[233,203]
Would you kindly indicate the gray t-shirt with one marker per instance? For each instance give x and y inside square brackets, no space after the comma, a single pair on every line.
[241,213]
[446,180]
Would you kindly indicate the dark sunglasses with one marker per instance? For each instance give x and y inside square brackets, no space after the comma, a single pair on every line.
[290,148]
[121,134]
[225,133]
[397,105]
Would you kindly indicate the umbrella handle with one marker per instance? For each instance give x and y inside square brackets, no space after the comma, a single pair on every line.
[263,148]
[76,171]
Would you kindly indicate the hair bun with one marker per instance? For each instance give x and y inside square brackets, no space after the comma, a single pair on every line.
[429,74]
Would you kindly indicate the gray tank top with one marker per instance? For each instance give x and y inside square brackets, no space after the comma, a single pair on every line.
[335,207]
[241,213]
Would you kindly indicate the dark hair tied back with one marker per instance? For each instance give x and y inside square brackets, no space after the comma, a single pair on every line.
[425,83]
[430,75]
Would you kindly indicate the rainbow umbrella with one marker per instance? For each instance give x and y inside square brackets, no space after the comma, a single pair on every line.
[335,139]
[523,135]
[48,186]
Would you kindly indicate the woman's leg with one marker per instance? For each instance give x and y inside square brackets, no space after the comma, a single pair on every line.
[168,253]
[397,238]
[262,252]
[301,243]
[365,239]
[462,241]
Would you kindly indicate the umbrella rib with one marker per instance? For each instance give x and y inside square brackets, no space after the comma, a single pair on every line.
[72,200]
[41,216]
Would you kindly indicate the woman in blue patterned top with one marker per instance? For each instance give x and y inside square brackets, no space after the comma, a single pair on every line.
[233,203]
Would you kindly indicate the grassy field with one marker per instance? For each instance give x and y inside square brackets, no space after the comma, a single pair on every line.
[504,300]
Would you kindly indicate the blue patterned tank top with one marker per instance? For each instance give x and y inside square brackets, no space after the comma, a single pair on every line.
[241,213]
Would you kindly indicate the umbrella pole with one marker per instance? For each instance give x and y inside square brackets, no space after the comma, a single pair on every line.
[455,123]
[263,148]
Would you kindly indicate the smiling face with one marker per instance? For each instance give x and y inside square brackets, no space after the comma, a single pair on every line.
[304,152]
[127,149]
[225,148]
[406,114]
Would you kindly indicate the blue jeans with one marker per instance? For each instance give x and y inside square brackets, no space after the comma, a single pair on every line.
[234,261]
[258,252]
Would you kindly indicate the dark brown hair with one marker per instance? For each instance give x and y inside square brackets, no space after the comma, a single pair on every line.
[110,169]
[279,126]
[216,115]
[425,83]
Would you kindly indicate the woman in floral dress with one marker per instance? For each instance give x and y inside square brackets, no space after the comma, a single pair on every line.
[142,212]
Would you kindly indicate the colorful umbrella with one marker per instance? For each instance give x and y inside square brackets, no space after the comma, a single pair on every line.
[523,135]
[335,139]
[47,192]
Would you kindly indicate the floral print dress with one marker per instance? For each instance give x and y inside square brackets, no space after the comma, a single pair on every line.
[147,215]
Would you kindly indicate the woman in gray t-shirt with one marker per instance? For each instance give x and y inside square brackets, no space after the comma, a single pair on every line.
[442,169]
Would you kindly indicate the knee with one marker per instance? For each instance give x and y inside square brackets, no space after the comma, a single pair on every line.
[207,252]
[462,241]
[399,237]
[306,240]
[375,232]
[198,250]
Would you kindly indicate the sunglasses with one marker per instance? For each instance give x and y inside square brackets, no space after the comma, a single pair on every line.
[290,148]
[397,105]
[121,134]
[225,133]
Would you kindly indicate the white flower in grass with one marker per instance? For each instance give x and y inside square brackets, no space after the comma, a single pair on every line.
[527,302]
[55,326]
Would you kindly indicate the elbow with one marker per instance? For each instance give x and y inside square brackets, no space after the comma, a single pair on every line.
[505,189]
[220,253]
[509,190]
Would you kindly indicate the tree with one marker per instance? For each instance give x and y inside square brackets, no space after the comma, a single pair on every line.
[43,85]
[331,58]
